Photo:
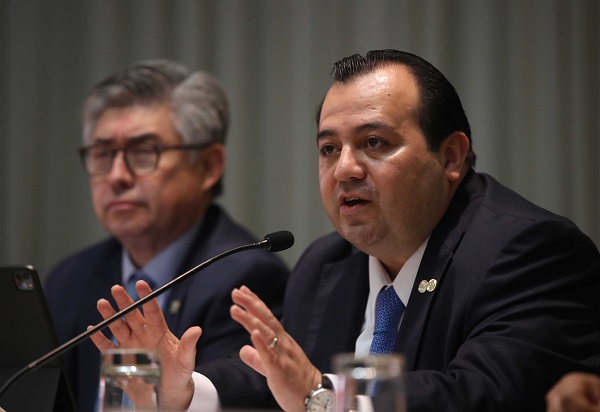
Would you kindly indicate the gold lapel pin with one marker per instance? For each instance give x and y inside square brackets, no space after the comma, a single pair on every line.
[427,285]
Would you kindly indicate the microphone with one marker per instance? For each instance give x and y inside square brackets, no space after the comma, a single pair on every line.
[278,241]
[273,242]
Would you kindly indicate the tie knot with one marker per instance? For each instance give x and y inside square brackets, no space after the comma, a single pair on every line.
[388,296]
[388,308]
[130,286]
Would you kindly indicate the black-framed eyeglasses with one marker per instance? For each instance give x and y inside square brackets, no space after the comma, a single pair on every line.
[140,159]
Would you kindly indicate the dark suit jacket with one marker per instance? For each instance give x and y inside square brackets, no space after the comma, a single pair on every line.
[516,306]
[75,285]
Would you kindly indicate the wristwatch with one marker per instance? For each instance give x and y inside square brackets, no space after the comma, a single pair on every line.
[321,399]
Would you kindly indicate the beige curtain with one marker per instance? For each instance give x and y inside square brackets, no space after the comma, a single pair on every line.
[528,72]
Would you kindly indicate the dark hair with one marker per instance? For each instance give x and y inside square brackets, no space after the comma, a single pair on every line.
[199,105]
[440,112]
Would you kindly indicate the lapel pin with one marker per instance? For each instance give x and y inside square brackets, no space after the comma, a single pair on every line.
[431,285]
[174,307]
[427,285]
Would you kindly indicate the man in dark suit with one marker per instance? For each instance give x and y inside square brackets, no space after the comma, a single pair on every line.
[500,295]
[154,137]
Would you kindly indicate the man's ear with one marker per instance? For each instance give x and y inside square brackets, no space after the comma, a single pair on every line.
[454,151]
[212,161]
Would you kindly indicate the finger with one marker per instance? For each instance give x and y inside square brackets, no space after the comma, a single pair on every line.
[265,356]
[105,308]
[186,355]
[119,329]
[250,357]
[255,305]
[263,343]
[101,341]
[251,323]
[152,311]
[134,319]
[121,296]
[262,337]
[576,404]
[246,299]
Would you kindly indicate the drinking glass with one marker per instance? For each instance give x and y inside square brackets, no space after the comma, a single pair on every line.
[129,380]
[373,383]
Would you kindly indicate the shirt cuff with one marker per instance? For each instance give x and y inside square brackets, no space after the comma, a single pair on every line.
[206,398]
[334,381]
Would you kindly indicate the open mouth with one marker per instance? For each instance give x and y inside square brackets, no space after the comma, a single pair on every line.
[353,201]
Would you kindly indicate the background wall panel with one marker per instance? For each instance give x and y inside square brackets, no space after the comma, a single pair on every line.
[527,71]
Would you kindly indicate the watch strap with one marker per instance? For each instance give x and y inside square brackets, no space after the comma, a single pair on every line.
[326,383]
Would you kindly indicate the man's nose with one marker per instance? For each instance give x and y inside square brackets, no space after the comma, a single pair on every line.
[119,170]
[349,165]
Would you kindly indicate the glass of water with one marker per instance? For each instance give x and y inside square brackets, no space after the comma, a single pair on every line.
[129,380]
[373,383]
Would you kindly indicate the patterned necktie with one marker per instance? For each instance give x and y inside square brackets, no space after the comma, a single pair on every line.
[388,310]
[130,286]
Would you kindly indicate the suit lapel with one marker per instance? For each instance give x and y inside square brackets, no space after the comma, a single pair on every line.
[432,269]
[176,300]
[437,258]
[200,250]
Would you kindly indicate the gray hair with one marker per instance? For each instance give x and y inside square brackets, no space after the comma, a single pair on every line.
[199,104]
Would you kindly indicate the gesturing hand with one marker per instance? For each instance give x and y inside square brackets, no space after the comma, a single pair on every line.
[575,392]
[289,373]
[150,331]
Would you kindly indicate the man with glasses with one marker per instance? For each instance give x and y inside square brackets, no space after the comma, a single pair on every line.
[154,151]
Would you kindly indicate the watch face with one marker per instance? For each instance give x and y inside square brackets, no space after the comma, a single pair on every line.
[322,400]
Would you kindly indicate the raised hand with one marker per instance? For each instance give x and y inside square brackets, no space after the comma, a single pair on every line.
[575,392]
[289,373]
[149,330]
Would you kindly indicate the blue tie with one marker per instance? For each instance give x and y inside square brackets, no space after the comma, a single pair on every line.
[130,286]
[388,310]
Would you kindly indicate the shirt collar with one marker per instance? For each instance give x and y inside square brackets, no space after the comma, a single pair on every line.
[160,268]
[404,281]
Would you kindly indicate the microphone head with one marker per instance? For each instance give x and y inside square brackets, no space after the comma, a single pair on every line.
[278,241]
